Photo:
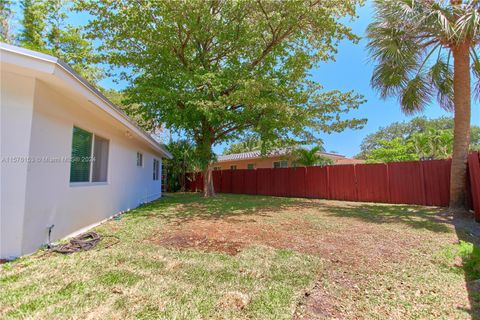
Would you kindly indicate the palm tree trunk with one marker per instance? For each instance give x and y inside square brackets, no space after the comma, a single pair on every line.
[461,100]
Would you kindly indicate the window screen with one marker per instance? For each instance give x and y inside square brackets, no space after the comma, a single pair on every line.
[139,159]
[81,151]
[100,160]
[280,164]
[156,169]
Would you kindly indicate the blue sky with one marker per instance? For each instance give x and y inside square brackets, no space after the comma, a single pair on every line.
[351,70]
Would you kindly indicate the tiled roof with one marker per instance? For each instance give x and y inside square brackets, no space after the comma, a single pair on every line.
[258,154]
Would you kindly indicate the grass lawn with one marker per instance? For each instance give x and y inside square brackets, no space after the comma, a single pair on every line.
[254,257]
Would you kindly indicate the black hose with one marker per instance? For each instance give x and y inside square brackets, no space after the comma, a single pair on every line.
[83,242]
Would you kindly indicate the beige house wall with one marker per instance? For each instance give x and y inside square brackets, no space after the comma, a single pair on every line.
[260,162]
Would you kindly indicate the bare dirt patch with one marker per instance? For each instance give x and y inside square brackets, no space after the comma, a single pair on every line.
[184,240]
[348,242]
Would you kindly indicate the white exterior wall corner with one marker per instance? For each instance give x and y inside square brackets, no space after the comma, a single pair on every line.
[68,206]
[16,113]
[41,102]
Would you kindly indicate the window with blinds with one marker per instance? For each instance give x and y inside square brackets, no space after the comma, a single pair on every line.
[156,169]
[89,161]
[81,151]
[280,164]
[139,159]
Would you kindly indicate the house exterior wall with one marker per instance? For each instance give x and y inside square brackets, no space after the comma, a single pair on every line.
[16,113]
[260,162]
[49,197]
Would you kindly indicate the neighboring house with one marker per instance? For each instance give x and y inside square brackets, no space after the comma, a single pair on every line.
[275,159]
[70,158]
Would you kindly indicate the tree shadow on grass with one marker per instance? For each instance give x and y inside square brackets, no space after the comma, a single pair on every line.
[428,218]
[188,206]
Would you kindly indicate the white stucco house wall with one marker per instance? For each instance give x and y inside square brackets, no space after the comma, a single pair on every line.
[69,157]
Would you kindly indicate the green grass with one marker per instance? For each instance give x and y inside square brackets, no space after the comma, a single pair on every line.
[140,279]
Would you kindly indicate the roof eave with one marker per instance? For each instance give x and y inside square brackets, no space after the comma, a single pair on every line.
[114,111]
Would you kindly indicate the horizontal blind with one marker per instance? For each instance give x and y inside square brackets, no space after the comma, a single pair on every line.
[81,155]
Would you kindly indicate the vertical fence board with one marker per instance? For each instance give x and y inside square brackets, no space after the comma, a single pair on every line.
[265,182]
[437,182]
[238,181]
[296,187]
[372,182]
[316,182]
[406,182]
[217,180]
[280,182]
[226,185]
[342,182]
[413,182]
[474,172]
[250,181]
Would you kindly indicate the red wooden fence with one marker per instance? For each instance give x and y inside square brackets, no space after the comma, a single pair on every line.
[412,182]
[474,170]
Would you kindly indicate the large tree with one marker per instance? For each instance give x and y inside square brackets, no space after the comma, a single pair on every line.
[416,43]
[45,28]
[215,69]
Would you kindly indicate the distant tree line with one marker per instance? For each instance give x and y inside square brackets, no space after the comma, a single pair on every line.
[417,139]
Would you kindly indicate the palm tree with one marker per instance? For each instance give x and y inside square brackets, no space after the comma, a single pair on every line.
[416,43]
[310,157]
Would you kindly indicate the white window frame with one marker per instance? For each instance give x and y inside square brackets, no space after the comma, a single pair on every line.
[90,174]
[141,159]
[156,169]
[281,164]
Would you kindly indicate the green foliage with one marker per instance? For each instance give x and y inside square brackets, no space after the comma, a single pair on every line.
[250,143]
[304,157]
[433,144]
[6,14]
[118,98]
[470,254]
[393,150]
[184,160]
[426,145]
[216,70]
[419,127]
[44,29]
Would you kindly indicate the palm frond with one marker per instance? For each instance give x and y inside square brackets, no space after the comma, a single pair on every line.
[416,95]
[441,77]
[476,72]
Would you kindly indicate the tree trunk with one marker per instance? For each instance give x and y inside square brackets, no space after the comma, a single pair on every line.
[461,100]
[183,176]
[208,190]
